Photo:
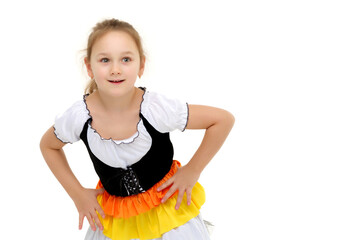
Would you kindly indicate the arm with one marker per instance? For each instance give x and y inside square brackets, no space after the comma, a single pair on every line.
[84,199]
[218,123]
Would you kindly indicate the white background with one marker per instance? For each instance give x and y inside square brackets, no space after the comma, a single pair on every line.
[287,70]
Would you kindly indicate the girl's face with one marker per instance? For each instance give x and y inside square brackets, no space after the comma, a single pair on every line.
[115,63]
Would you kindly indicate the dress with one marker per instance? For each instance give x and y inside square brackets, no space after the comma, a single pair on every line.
[131,170]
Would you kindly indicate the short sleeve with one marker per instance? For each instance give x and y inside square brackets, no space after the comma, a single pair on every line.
[69,124]
[166,114]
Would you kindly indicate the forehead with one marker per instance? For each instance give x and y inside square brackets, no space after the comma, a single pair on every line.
[115,42]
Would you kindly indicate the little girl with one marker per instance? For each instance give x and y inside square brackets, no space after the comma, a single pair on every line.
[140,194]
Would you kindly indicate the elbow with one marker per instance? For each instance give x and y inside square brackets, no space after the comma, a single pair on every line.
[230,119]
[225,119]
[42,144]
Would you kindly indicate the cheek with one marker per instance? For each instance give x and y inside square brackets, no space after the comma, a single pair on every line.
[100,71]
[134,68]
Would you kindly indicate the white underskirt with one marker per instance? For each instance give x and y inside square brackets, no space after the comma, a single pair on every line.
[195,229]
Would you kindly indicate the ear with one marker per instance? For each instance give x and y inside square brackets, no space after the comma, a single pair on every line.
[88,67]
[142,67]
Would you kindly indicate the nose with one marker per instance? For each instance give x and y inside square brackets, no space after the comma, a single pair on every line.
[115,70]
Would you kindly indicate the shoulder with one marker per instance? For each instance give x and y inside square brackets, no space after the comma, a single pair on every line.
[164,112]
[69,123]
[77,110]
[155,100]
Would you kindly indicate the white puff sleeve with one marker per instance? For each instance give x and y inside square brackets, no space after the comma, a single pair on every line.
[164,113]
[69,124]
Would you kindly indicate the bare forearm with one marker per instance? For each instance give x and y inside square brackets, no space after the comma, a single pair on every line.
[214,138]
[56,160]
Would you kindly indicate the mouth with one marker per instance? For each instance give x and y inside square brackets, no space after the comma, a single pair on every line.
[116,81]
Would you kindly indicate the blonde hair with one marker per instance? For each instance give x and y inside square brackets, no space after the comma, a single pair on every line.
[101,29]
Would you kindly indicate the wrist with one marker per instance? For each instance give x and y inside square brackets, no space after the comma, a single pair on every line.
[76,192]
[196,168]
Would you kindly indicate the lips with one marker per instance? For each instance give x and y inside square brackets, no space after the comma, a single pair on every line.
[116,81]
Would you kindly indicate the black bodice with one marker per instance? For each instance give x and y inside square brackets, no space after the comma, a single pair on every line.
[140,176]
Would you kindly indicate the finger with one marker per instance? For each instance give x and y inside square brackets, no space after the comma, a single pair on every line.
[100,211]
[97,220]
[81,220]
[91,222]
[165,184]
[188,196]
[179,199]
[168,194]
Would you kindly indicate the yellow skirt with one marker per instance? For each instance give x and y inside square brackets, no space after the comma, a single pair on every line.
[143,216]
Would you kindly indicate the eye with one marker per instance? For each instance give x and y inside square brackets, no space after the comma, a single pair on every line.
[104,60]
[126,59]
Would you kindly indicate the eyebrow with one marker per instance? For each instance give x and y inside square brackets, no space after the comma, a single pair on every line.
[126,52]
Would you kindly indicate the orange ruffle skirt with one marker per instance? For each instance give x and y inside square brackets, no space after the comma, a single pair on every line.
[143,216]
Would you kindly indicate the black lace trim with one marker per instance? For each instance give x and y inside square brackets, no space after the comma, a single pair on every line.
[110,139]
[187,119]
[58,137]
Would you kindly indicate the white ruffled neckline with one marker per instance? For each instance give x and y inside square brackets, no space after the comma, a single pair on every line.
[117,142]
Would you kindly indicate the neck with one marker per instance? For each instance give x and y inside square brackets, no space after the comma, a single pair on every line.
[118,104]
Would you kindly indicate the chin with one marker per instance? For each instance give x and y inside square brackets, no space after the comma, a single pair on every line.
[120,91]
